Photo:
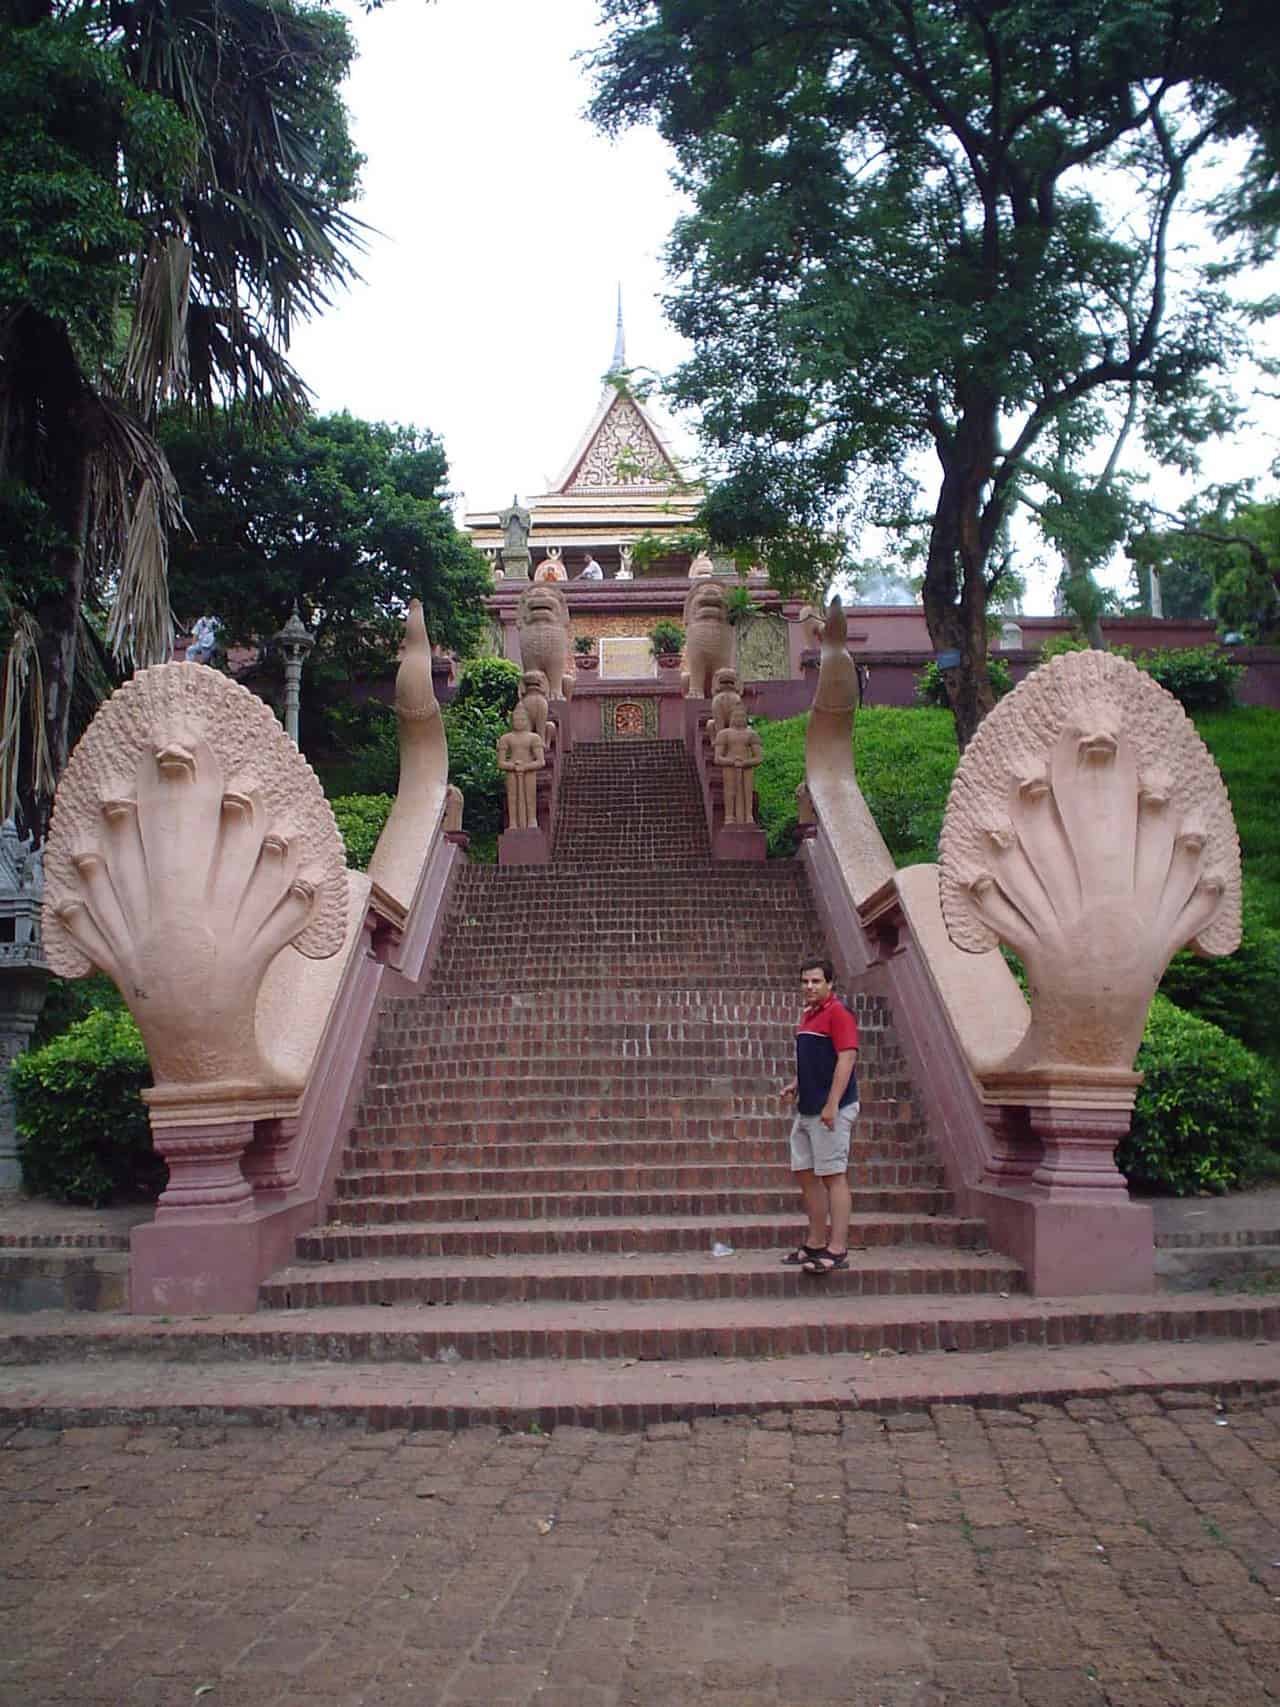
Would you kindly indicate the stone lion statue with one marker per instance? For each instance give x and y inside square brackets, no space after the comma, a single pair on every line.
[542,619]
[708,645]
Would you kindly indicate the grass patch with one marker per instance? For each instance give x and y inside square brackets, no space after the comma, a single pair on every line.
[1246,744]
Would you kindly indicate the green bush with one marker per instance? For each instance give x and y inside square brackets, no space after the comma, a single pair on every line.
[666,636]
[931,690]
[69,999]
[1201,677]
[83,1135]
[360,820]
[1203,1111]
[1057,644]
[473,735]
[1239,992]
[490,686]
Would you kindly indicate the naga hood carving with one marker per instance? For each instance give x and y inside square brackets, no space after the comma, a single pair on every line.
[1089,829]
[190,843]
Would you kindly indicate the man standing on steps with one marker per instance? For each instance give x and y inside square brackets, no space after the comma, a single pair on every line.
[825,1090]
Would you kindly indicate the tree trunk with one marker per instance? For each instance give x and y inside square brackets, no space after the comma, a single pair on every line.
[955,602]
[56,408]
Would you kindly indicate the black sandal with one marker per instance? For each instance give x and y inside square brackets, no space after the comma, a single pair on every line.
[804,1254]
[825,1263]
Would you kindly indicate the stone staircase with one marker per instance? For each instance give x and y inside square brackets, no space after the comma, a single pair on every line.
[566,1192]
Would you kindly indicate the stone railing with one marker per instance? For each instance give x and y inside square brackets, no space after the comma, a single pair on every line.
[1027,1102]
[192,856]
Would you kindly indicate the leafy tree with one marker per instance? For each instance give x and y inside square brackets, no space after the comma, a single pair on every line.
[1233,540]
[173,181]
[348,517]
[927,225]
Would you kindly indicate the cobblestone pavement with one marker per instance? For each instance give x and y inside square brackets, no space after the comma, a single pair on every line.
[1121,1551]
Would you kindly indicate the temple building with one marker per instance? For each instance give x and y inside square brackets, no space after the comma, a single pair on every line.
[621,485]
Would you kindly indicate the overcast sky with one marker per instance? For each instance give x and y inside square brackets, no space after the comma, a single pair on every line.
[487,311]
[503,224]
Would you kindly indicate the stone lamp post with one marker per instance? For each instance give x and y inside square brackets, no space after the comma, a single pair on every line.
[296,641]
[24,976]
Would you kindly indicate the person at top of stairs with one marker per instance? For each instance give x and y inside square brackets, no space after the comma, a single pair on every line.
[825,1091]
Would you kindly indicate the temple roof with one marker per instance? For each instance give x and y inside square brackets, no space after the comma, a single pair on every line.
[621,451]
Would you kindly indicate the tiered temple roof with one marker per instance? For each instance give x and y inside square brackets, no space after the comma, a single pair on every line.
[622,484]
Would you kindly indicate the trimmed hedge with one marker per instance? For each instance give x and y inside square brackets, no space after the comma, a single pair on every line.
[83,1135]
[1204,1111]
[1201,678]
[1239,992]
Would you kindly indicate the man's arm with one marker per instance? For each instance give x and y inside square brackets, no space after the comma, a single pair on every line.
[839,1084]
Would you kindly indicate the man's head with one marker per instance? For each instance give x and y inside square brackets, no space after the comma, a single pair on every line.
[816,977]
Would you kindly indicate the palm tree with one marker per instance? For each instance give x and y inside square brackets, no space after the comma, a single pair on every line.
[185,168]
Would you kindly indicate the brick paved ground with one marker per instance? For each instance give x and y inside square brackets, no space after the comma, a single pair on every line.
[1123,1552]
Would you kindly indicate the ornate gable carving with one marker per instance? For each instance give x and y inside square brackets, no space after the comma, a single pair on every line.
[623,452]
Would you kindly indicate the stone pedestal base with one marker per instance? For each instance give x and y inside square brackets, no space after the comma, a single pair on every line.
[1057,1203]
[740,842]
[515,562]
[524,847]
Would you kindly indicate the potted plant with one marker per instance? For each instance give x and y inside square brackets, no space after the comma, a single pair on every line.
[584,646]
[667,638]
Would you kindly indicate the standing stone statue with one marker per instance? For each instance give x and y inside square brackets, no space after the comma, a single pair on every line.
[534,698]
[521,755]
[727,700]
[515,522]
[738,752]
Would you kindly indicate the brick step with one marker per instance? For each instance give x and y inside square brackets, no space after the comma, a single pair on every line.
[551,982]
[604,1279]
[808,1323]
[630,1394]
[401,1121]
[358,1184]
[340,1242]
[630,1205]
[360,1157]
[682,1004]
[513,1105]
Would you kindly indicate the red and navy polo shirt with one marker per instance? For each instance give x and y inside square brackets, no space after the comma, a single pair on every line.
[823,1033]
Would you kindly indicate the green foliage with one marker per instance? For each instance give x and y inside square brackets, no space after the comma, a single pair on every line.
[83,1135]
[69,999]
[910,225]
[473,737]
[1203,1109]
[666,637]
[351,518]
[931,690]
[1058,645]
[738,602]
[584,644]
[1239,992]
[1201,677]
[490,686]
[905,761]
[1246,744]
[1233,544]
[360,820]
[172,190]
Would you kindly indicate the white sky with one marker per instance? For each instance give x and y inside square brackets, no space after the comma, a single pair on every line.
[487,311]
[503,223]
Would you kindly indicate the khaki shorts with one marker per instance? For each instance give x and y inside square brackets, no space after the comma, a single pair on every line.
[820,1149]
